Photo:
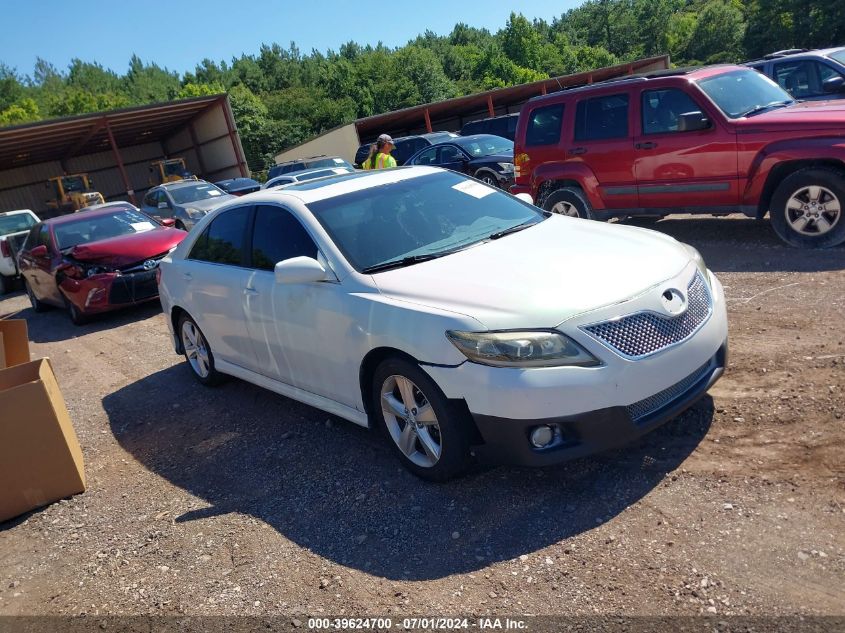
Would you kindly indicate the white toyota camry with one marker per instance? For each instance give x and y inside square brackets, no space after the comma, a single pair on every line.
[458,318]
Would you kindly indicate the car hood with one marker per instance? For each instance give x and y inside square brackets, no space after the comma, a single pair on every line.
[504,157]
[805,115]
[209,204]
[128,249]
[541,276]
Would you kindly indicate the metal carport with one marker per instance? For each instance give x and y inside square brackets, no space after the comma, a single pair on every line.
[117,147]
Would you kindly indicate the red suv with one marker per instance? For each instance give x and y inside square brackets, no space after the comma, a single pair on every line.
[712,140]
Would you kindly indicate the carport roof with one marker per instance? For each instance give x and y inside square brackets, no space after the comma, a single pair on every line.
[61,139]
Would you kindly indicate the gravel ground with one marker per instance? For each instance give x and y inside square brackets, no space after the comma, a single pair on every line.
[237,501]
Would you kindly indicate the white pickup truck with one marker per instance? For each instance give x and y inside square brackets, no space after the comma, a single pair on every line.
[14,227]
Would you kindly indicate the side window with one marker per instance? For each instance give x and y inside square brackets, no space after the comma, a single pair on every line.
[449,154]
[544,125]
[471,128]
[277,236]
[44,237]
[662,110]
[428,157]
[602,118]
[826,72]
[499,127]
[31,240]
[150,199]
[798,78]
[223,241]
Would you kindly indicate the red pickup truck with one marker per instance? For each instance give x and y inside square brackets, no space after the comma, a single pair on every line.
[713,140]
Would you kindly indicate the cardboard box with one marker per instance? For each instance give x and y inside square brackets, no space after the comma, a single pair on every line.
[40,458]
[14,343]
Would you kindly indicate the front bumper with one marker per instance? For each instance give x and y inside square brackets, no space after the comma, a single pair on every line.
[110,291]
[506,441]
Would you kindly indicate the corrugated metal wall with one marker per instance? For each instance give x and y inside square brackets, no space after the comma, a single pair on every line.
[26,187]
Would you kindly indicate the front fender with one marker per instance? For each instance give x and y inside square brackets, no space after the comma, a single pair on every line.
[780,153]
[567,172]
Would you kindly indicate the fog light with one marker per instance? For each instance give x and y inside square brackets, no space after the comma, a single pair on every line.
[542,436]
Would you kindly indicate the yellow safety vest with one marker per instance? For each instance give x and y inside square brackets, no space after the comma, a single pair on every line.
[385,161]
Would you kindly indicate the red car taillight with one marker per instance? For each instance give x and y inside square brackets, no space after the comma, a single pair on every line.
[522,167]
[4,249]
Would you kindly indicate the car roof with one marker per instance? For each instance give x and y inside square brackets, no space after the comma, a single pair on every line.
[693,72]
[178,184]
[104,209]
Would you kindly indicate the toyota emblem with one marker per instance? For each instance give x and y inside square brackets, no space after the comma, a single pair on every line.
[674,301]
[150,264]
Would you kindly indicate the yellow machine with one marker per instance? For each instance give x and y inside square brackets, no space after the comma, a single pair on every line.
[170,170]
[72,193]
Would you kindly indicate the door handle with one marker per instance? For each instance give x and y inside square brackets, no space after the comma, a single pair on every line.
[187,276]
[575,151]
[250,291]
[646,145]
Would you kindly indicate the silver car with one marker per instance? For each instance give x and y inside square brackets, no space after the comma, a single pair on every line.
[185,201]
[306,174]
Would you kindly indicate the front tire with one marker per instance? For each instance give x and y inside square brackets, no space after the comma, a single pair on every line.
[570,202]
[197,352]
[37,305]
[807,208]
[488,179]
[428,434]
[77,316]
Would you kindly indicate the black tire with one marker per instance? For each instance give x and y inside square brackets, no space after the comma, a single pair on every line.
[5,284]
[788,209]
[488,178]
[37,305]
[180,226]
[569,198]
[450,431]
[213,376]
[76,315]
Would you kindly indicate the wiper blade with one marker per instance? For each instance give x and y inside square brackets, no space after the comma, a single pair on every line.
[399,263]
[761,108]
[513,229]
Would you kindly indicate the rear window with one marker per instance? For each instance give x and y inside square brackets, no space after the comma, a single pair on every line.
[839,56]
[602,118]
[16,223]
[544,125]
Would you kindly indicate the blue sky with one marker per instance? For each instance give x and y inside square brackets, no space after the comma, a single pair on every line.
[178,34]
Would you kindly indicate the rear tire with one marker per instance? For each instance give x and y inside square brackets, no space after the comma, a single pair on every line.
[37,305]
[197,352]
[427,433]
[808,208]
[77,316]
[570,202]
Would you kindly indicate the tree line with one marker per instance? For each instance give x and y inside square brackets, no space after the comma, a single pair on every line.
[282,96]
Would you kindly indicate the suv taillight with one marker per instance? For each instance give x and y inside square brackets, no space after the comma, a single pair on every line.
[521,166]
[4,249]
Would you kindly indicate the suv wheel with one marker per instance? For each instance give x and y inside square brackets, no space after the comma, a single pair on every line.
[429,436]
[571,202]
[488,179]
[807,208]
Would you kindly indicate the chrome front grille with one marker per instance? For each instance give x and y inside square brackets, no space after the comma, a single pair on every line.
[638,335]
[647,406]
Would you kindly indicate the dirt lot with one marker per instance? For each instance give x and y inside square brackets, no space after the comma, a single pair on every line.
[237,501]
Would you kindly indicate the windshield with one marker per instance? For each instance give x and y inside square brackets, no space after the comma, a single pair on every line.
[486,144]
[838,56]
[101,227]
[73,183]
[193,193]
[173,169]
[431,214]
[16,223]
[740,92]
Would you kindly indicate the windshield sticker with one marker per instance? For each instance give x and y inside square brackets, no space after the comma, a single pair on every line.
[142,226]
[338,161]
[212,192]
[339,171]
[474,189]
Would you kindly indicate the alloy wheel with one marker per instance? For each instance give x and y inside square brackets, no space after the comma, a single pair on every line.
[565,208]
[813,210]
[411,421]
[489,180]
[196,350]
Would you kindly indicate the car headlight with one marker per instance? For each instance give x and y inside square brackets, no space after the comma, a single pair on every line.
[537,348]
[505,167]
[194,214]
[699,261]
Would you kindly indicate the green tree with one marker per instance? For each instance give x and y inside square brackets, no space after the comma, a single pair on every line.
[190,90]
[718,33]
[24,111]
[11,88]
[522,43]
[149,83]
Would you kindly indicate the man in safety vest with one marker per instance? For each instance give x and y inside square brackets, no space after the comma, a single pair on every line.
[380,157]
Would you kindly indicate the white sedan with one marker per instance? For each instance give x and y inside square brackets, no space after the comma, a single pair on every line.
[458,318]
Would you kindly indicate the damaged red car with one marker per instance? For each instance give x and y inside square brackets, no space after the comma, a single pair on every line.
[95,261]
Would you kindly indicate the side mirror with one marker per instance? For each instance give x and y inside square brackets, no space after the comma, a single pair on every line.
[39,251]
[163,205]
[692,121]
[168,222]
[525,197]
[299,270]
[834,84]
